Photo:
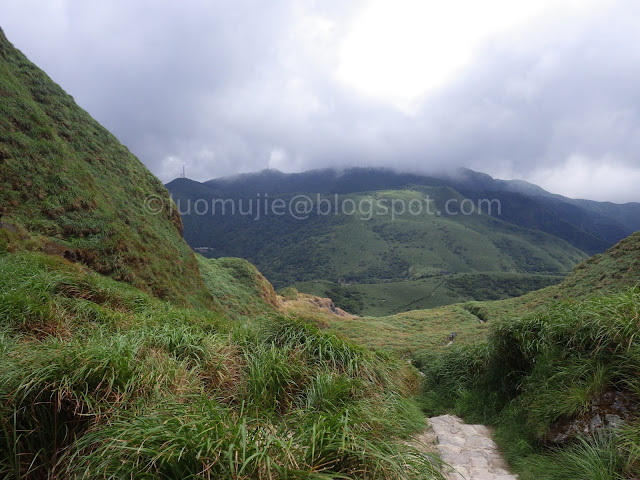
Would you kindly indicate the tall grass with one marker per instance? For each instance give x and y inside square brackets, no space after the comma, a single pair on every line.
[594,458]
[544,369]
[128,386]
[65,177]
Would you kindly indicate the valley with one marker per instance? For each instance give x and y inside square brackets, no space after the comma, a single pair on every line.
[369,251]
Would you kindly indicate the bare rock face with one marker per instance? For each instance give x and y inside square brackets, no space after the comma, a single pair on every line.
[610,410]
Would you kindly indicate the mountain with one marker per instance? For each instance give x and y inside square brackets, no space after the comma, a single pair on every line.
[57,169]
[124,355]
[518,237]
[327,181]
[588,225]
[110,368]
[577,221]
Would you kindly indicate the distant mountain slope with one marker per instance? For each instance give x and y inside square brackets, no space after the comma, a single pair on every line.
[369,253]
[627,214]
[566,221]
[326,181]
[76,189]
[610,273]
[342,248]
[590,226]
[608,222]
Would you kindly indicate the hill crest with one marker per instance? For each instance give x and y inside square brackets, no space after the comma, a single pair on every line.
[66,181]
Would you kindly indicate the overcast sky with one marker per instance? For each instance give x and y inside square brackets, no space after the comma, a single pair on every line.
[543,90]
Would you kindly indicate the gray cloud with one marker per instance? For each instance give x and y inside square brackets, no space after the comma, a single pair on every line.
[238,85]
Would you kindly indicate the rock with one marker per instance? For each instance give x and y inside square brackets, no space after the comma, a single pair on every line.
[449,439]
[70,255]
[479,462]
[481,430]
[595,422]
[610,410]
[481,442]
[613,421]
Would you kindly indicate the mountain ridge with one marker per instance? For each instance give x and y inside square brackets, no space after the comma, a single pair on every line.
[601,223]
[101,377]
[322,250]
[56,170]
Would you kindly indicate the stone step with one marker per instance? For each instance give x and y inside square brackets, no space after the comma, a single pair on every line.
[469,450]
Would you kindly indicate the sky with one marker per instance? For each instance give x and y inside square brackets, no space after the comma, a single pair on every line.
[546,91]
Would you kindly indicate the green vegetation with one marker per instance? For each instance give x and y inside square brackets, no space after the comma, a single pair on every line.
[75,188]
[538,372]
[587,225]
[123,355]
[534,366]
[237,287]
[499,259]
[406,332]
[388,298]
[612,272]
[289,251]
[98,379]
[601,457]
[345,298]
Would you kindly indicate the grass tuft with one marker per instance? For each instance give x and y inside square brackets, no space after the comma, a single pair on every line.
[543,370]
[139,388]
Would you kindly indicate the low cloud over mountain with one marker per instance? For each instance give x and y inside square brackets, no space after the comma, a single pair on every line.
[545,91]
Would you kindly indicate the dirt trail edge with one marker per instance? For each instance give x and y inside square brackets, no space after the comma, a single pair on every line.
[469,450]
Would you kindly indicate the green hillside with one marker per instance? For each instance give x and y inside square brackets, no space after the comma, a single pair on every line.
[57,181]
[614,271]
[560,385]
[387,298]
[100,380]
[587,225]
[554,371]
[371,248]
[557,374]
[122,355]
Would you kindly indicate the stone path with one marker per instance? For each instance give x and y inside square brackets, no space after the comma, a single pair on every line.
[468,449]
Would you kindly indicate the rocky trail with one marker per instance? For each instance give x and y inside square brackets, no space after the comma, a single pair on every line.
[468,449]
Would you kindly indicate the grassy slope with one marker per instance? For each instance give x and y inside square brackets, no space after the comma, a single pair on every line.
[237,287]
[388,298]
[410,331]
[551,371]
[58,171]
[538,362]
[381,249]
[101,379]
